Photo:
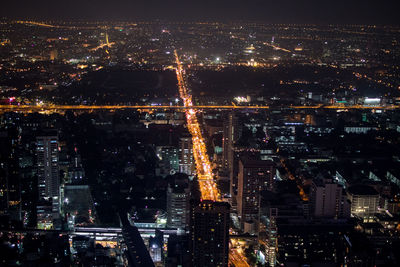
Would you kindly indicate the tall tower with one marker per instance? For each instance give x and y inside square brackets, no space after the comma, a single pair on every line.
[178,195]
[254,176]
[231,134]
[272,237]
[48,167]
[10,183]
[209,233]
[186,160]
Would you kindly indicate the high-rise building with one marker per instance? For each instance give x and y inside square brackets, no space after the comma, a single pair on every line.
[328,200]
[209,233]
[178,195]
[254,176]
[186,160]
[48,173]
[156,245]
[48,167]
[272,237]
[364,201]
[169,155]
[10,183]
[231,134]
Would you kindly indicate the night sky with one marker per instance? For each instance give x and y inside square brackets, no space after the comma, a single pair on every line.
[280,11]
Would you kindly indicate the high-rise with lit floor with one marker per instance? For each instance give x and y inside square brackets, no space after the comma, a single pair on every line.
[209,233]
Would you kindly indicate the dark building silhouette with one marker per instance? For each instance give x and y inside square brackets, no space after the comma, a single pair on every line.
[254,176]
[209,233]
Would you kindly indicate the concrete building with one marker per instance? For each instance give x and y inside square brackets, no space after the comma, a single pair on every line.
[209,233]
[254,176]
[364,202]
[169,156]
[178,194]
[232,131]
[186,159]
[48,168]
[328,200]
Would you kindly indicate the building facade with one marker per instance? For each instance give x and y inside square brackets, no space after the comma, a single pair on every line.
[254,176]
[209,233]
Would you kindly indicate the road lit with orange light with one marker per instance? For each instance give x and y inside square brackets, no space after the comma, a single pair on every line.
[278,48]
[302,194]
[236,255]
[208,187]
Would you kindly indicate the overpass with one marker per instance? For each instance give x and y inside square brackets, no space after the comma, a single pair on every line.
[99,233]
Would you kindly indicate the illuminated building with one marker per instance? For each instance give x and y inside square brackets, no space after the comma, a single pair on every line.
[272,237]
[156,244]
[48,176]
[178,194]
[364,201]
[209,233]
[254,176]
[48,168]
[186,160]
[169,156]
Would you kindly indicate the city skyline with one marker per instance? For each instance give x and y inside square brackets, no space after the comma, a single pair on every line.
[172,143]
[306,12]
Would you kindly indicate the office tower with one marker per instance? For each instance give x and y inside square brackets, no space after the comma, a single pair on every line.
[272,231]
[178,194]
[10,184]
[48,168]
[156,245]
[231,134]
[186,160]
[209,233]
[328,200]
[48,182]
[254,176]
[169,156]
[364,201]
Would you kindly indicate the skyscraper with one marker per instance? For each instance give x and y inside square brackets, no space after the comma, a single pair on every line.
[48,208]
[10,184]
[209,233]
[231,134]
[48,167]
[186,160]
[254,176]
[178,195]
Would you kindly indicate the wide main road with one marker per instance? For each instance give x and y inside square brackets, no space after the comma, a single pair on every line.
[56,108]
[208,187]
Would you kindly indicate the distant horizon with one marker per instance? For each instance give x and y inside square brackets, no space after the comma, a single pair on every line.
[194,21]
[340,12]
